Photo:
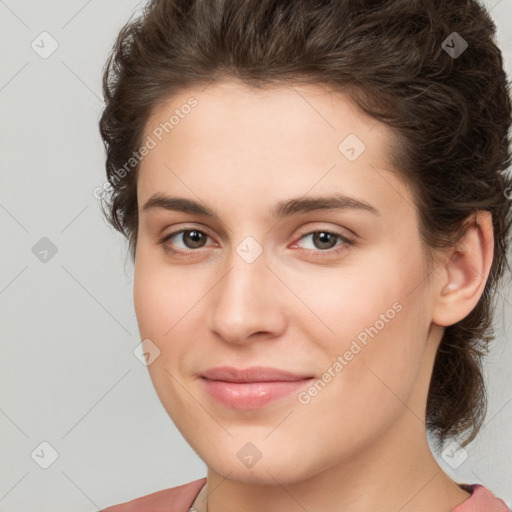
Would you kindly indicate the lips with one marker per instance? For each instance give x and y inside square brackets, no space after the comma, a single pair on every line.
[251,388]
[253,374]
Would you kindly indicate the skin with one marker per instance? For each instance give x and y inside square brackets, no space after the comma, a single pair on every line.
[360,443]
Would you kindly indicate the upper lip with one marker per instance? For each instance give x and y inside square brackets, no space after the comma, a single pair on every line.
[253,374]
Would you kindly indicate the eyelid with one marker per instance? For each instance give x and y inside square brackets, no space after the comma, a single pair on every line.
[187,227]
[336,231]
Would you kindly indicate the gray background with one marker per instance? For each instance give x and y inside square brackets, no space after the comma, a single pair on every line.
[68,328]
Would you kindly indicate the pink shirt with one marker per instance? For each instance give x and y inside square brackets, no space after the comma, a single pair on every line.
[192,497]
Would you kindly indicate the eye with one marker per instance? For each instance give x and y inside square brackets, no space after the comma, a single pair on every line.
[324,240]
[192,238]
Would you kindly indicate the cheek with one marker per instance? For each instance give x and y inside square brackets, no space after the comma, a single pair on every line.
[377,322]
[148,301]
[162,296]
[370,373]
[162,300]
[168,304]
[349,301]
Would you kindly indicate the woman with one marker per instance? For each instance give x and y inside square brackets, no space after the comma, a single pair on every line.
[317,209]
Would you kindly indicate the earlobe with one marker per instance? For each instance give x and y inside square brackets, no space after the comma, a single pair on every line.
[464,271]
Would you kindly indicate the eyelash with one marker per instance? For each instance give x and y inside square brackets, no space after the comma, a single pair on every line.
[337,249]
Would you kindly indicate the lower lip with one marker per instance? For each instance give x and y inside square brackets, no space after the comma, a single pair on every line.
[251,395]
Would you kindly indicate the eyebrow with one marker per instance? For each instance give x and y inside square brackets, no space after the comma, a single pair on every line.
[281,209]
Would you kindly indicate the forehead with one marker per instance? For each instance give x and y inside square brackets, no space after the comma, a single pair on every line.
[263,143]
[293,110]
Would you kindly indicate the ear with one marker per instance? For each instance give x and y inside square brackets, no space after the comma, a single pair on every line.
[463,271]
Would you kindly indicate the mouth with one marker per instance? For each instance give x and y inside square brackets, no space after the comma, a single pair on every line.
[251,388]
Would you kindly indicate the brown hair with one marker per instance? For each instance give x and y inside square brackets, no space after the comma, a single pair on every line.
[450,114]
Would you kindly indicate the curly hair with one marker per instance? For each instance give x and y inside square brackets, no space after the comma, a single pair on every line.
[429,69]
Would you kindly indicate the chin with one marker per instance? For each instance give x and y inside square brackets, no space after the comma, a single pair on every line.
[283,466]
[270,474]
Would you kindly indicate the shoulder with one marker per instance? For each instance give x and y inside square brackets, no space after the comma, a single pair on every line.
[174,499]
[481,500]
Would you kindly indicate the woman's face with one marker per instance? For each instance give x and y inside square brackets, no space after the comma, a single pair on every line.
[261,283]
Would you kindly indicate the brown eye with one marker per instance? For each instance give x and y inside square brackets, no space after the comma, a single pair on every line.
[324,243]
[323,239]
[190,239]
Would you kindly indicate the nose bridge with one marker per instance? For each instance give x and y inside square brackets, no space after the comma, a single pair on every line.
[245,300]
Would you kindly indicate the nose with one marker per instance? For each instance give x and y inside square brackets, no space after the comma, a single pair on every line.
[247,302]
